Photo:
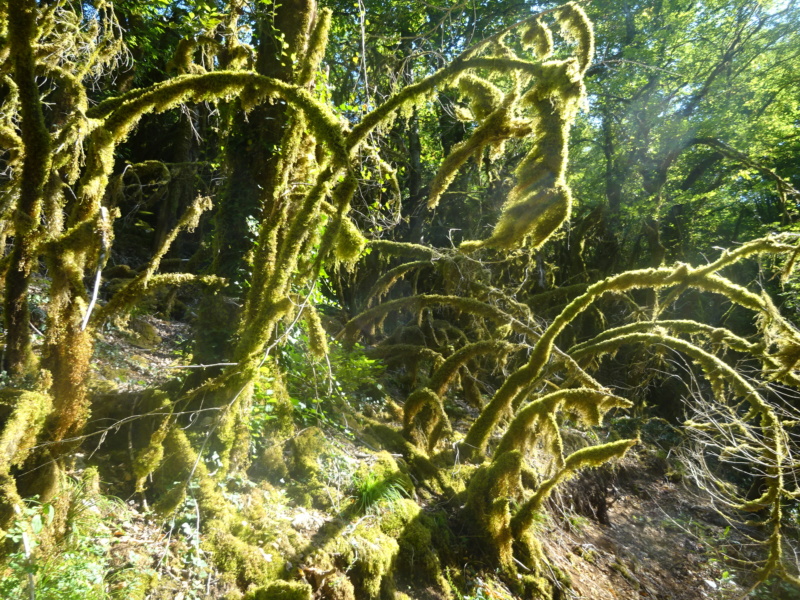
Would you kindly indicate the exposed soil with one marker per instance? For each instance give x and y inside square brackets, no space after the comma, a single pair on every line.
[662,541]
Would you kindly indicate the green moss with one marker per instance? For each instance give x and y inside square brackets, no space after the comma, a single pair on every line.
[489,497]
[281,590]
[383,468]
[414,304]
[589,404]
[419,465]
[392,276]
[369,555]
[180,467]
[538,37]
[418,534]
[442,377]
[270,464]
[238,561]
[495,128]
[337,587]
[394,521]
[306,448]
[404,249]
[424,419]
[575,26]
[349,243]
[25,413]
[317,338]
[484,96]
[592,456]
[317,43]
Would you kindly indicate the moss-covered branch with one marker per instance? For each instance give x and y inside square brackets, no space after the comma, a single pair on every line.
[416,303]
[593,456]
[590,404]
[716,335]
[392,276]
[441,378]
[703,278]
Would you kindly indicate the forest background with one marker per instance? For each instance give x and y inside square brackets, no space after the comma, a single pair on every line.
[397,255]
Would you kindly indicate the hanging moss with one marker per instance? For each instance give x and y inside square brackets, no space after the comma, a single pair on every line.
[577,27]
[417,303]
[716,335]
[183,59]
[442,377]
[424,419]
[772,453]
[484,96]
[349,243]
[405,249]
[703,278]
[317,338]
[385,282]
[539,38]
[496,127]
[588,403]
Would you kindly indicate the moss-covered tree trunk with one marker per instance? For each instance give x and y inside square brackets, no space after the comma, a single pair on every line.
[18,358]
[252,147]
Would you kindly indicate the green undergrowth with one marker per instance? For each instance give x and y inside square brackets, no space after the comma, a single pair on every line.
[63,549]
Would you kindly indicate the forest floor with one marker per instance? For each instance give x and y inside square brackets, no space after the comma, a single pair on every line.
[658,538]
[662,540]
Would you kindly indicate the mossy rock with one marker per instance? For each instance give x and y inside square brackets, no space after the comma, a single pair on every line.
[369,556]
[337,587]
[418,533]
[419,465]
[143,334]
[281,590]
[306,448]
[310,494]
[394,521]
[242,563]
[457,477]
[381,466]
[270,465]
